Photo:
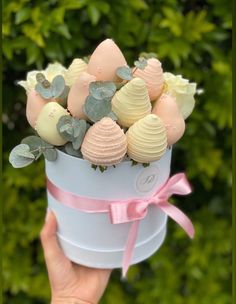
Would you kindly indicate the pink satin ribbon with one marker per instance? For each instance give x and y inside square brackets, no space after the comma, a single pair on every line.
[131,210]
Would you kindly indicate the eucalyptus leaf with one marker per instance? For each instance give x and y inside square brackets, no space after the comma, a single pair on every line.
[38,154]
[65,119]
[21,156]
[44,92]
[63,97]
[88,125]
[124,72]
[77,142]
[23,150]
[64,123]
[102,90]
[96,109]
[72,129]
[19,161]
[46,145]
[141,63]
[113,116]
[33,141]
[36,144]
[40,77]
[79,126]
[80,129]
[71,151]
[58,86]
[64,128]
[50,154]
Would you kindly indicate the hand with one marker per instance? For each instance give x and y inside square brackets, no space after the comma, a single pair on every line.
[70,283]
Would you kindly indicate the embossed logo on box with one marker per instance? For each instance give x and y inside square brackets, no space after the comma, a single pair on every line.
[147,179]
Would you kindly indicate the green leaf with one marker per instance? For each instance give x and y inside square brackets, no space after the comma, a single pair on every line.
[33,141]
[72,130]
[102,90]
[44,92]
[23,150]
[21,156]
[64,128]
[96,109]
[63,97]
[63,125]
[113,116]
[50,154]
[94,14]
[42,81]
[71,151]
[22,15]
[141,63]
[19,161]
[37,145]
[77,142]
[79,126]
[58,86]
[63,30]
[124,72]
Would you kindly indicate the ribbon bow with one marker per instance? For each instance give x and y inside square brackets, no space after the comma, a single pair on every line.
[132,210]
[136,209]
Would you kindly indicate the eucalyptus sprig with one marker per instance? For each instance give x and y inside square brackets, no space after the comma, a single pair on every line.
[102,89]
[141,63]
[127,73]
[98,102]
[73,130]
[71,151]
[57,89]
[29,150]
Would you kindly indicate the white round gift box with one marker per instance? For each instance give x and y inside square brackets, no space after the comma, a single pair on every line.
[90,239]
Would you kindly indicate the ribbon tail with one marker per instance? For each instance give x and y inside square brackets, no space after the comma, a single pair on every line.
[129,247]
[179,217]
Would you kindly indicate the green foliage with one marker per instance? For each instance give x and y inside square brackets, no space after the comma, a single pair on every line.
[141,63]
[72,130]
[102,89]
[124,73]
[21,156]
[38,147]
[57,89]
[30,149]
[96,109]
[192,38]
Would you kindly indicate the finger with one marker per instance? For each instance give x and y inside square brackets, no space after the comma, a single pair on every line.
[52,251]
[96,279]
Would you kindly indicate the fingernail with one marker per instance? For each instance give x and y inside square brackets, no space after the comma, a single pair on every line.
[47,214]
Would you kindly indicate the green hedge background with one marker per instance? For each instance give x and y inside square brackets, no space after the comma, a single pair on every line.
[192,38]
